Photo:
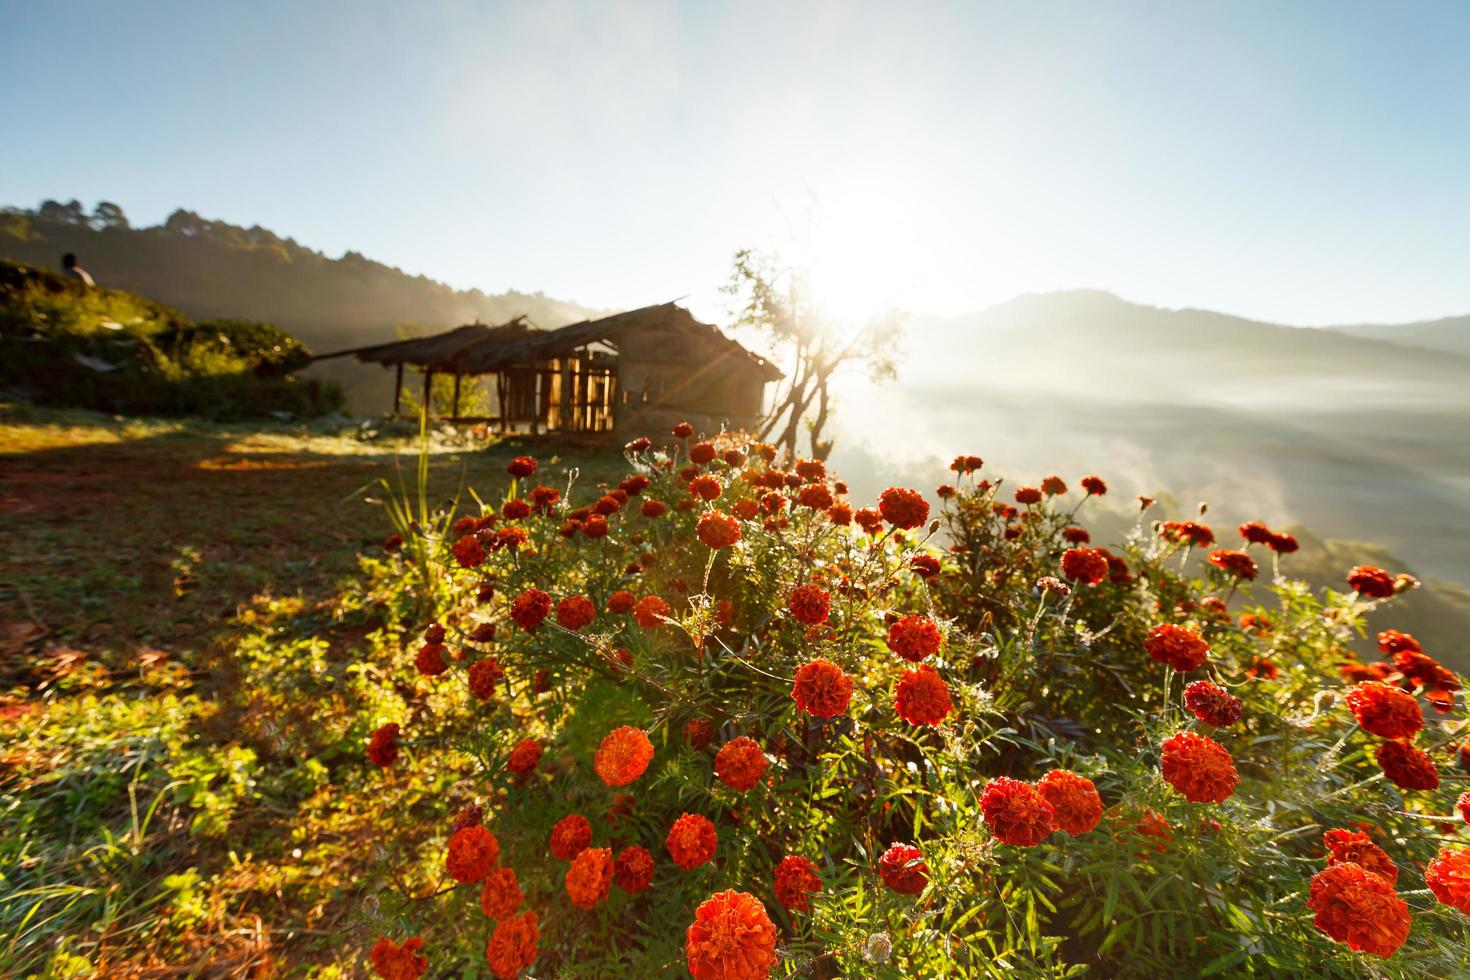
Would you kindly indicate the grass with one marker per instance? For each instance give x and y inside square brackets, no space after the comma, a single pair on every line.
[176,754]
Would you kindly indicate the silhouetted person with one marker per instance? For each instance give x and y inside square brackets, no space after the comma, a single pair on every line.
[69,263]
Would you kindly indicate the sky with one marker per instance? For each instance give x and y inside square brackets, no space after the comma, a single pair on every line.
[1301,163]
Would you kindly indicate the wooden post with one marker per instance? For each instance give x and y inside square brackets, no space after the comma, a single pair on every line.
[428,392]
[456,396]
[397,389]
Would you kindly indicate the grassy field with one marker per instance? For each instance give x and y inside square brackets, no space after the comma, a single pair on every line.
[176,607]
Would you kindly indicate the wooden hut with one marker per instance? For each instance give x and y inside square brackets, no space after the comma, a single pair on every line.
[630,373]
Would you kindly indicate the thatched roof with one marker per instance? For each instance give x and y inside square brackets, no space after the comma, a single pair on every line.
[440,351]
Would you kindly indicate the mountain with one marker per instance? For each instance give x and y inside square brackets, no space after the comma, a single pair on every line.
[212,269]
[1452,333]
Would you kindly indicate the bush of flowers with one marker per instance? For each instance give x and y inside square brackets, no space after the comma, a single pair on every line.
[721,719]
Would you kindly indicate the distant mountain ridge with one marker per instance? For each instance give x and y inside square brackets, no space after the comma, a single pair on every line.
[212,269]
[1451,333]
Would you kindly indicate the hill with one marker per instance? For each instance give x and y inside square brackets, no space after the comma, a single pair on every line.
[211,269]
[1451,333]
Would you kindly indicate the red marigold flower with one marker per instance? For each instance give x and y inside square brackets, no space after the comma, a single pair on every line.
[394,962]
[904,509]
[590,877]
[1356,847]
[515,510]
[925,566]
[623,756]
[483,676]
[1178,646]
[809,603]
[1283,544]
[393,544]
[571,835]
[691,841]
[1198,767]
[740,764]
[1407,766]
[731,938]
[701,453]
[575,612]
[698,733]
[796,880]
[639,445]
[717,530]
[1086,565]
[1254,532]
[1263,669]
[1076,535]
[501,895]
[594,527]
[544,497]
[1237,563]
[1028,495]
[683,430]
[473,853]
[1016,812]
[1198,535]
[653,508]
[1053,486]
[530,608]
[816,496]
[821,689]
[1448,876]
[651,611]
[870,519]
[1422,671]
[512,946]
[840,514]
[1212,704]
[922,697]
[745,509]
[430,660]
[1074,800]
[811,470]
[1094,485]
[902,869]
[705,487]
[524,757]
[382,750]
[1359,908]
[1370,581]
[469,552]
[633,870]
[1385,711]
[521,467]
[914,638]
[1463,806]
[620,602]
[1391,642]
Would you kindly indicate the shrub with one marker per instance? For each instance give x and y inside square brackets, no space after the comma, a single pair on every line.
[812,741]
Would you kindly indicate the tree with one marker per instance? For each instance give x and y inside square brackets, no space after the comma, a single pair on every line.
[108,215]
[776,302]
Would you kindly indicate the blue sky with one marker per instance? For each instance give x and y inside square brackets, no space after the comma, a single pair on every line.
[1298,162]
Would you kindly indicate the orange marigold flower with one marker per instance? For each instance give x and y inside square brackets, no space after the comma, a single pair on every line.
[651,611]
[717,530]
[575,611]
[922,697]
[902,869]
[731,938]
[571,835]
[590,877]
[1359,908]
[1016,812]
[699,732]
[1371,581]
[809,604]
[1237,563]
[821,689]
[745,509]
[394,962]
[705,487]
[473,853]
[701,453]
[620,602]
[623,756]
[904,509]
[811,470]
[501,895]
[1094,485]
[530,608]
[1178,646]
[796,880]
[869,519]
[1074,800]
[1053,486]
[1028,495]
[1356,847]
[914,638]
[1385,711]
[524,757]
[382,749]
[740,764]
[633,869]
[1198,767]
[483,676]
[1212,704]
[840,514]
[816,496]
[1087,565]
[1448,876]
[1407,765]
[512,946]
[691,841]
